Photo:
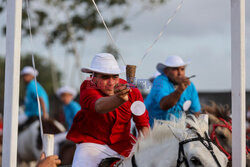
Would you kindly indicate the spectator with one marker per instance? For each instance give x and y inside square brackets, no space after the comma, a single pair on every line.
[171,91]
[70,107]
[101,128]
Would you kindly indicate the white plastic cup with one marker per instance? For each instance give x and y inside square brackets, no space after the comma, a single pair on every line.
[48,145]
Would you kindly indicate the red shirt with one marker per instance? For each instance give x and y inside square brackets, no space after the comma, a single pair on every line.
[112,128]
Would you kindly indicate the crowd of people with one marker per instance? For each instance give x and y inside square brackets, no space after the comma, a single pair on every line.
[100,123]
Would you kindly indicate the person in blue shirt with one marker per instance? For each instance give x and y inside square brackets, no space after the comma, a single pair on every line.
[30,101]
[172,92]
[70,107]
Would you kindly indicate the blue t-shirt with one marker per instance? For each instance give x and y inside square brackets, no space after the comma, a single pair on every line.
[30,101]
[70,111]
[163,87]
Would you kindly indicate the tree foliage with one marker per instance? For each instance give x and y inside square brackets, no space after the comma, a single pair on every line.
[44,78]
[2,66]
[44,68]
[66,20]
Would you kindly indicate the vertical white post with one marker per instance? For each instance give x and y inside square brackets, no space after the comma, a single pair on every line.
[12,77]
[238,82]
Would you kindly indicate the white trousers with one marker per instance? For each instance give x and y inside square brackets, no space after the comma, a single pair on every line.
[58,138]
[91,154]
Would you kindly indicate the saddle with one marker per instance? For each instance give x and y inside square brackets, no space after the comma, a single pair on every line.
[116,162]
[109,162]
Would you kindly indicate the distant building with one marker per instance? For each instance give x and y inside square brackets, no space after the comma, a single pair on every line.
[220,98]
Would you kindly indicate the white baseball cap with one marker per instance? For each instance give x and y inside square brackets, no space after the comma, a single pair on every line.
[29,70]
[103,63]
[171,61]
[66,89]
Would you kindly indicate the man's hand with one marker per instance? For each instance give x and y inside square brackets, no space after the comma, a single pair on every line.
[183,83]
[50,161]
[110,103]
[121,91]
[45,115]
[197,114]
[170,100]
[144,131]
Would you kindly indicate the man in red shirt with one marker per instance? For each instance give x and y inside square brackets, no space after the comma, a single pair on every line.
[101,128]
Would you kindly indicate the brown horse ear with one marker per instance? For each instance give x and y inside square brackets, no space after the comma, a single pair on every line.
[212,119]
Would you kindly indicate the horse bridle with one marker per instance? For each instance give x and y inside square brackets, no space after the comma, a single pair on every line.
[205,141]
[214,137]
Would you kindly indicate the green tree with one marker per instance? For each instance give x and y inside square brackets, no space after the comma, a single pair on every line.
[45,70]
[2,66]
[65,21]
[68,22]
[44,78]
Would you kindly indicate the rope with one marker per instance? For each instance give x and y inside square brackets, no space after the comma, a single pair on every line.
[109,34]
[154,42]
[161,33]
[34,67]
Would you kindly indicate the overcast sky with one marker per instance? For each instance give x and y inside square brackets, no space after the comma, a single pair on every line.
[200,32]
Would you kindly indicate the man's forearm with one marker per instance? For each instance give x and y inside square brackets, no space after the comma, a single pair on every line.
[169,101]
[107,104]
[42,105]
[144,131]
[197,114]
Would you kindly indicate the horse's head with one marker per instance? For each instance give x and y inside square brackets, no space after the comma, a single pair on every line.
[172,144]
[52,126]
[198,134]
[30,142]
[220,126]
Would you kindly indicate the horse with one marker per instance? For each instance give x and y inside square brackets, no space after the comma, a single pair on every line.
[66,152]
[220,128]
[173,144]
[29,139]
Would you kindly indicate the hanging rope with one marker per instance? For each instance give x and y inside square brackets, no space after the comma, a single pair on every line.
[161,33]
[109,34]
[34,67]
[157,38]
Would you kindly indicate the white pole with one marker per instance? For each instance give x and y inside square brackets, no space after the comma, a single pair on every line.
[238,82]
[12,78]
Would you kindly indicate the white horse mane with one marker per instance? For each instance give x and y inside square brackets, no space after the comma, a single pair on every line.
[160,148]
[163,130]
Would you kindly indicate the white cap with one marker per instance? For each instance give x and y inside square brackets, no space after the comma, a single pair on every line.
[66,89]
[29,70]
[104,63]
[171,61]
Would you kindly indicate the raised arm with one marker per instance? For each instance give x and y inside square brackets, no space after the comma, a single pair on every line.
[45,115]
[169,101]
[110,103]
